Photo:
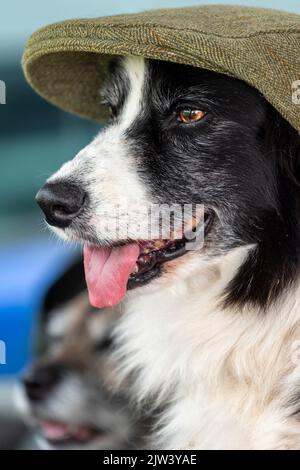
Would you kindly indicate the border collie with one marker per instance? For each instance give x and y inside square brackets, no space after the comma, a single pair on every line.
[211,334]
[67,395]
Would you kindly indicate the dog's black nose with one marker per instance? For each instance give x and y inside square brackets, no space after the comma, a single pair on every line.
[61,202]
[39,381]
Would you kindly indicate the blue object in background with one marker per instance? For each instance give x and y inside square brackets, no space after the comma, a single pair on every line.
[27,270]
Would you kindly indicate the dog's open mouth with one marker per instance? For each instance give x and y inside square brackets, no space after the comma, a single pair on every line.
[152,255]
[58,433]
[110,271]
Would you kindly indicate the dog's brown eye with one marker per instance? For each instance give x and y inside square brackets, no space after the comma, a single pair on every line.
[186,116]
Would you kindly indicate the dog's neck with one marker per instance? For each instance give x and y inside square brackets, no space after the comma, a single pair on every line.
[182,341]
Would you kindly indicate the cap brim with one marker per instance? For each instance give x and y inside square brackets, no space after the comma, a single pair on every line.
[67,62]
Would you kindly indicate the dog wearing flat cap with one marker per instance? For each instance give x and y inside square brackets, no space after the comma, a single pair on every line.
[201,131]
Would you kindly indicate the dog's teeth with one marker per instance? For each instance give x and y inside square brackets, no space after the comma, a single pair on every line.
[135,270]
[144,259]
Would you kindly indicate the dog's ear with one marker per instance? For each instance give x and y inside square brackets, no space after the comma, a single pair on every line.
[283,144]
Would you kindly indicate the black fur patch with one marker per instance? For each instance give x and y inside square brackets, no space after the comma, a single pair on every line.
[241,160]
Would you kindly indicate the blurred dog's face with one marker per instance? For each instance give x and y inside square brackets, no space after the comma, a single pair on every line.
[68,390]
[178,135]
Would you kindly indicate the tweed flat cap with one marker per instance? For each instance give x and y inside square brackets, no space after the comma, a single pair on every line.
[65,62]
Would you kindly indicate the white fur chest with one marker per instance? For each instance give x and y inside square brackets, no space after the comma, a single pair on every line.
[224,374]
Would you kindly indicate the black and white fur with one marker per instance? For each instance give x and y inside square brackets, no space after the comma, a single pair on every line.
[72,380]
[214,337]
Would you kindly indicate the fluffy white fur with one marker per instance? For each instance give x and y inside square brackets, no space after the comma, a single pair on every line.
[227,375]
[112,178]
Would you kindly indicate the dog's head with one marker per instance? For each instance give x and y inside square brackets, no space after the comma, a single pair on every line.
[67,394]
[180,137]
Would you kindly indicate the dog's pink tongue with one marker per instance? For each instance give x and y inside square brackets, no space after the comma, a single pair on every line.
[107,271]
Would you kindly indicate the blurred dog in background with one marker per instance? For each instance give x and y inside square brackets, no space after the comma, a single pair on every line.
[67,393]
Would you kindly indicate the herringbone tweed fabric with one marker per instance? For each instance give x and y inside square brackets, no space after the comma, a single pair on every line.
[66,62]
